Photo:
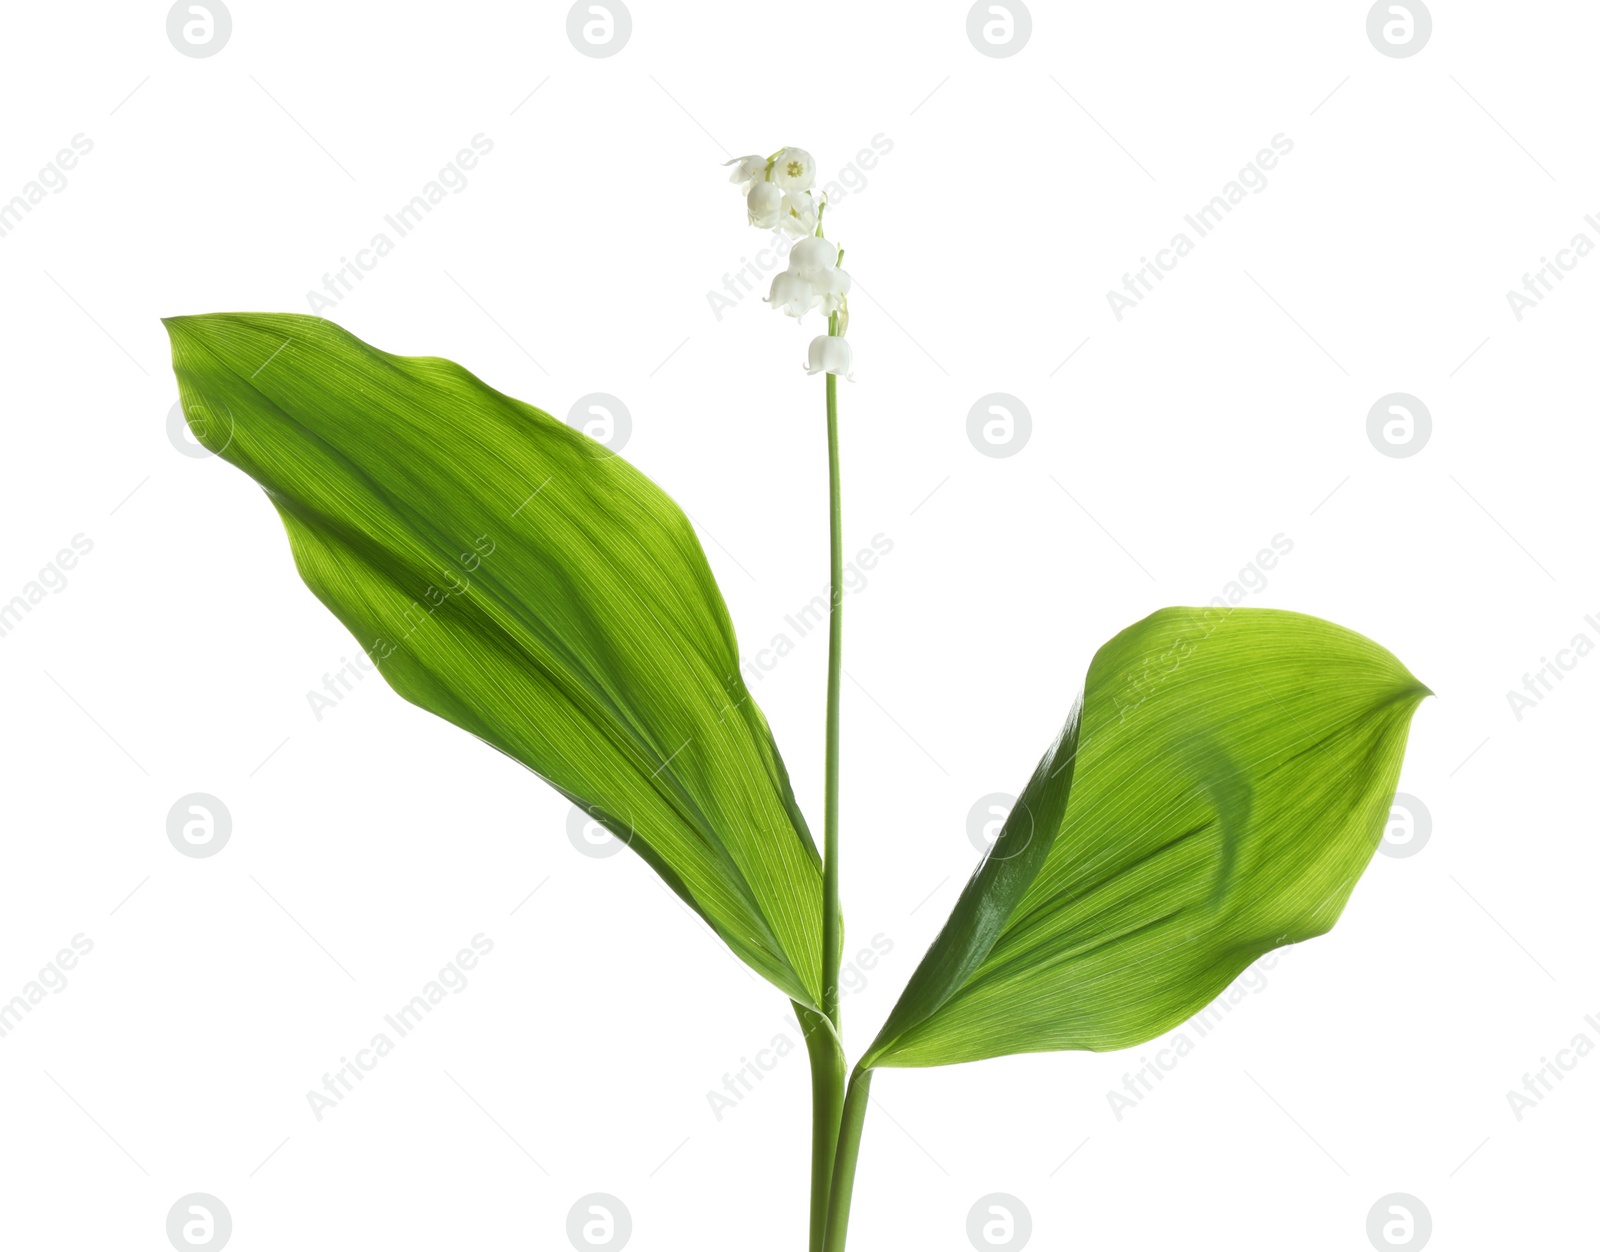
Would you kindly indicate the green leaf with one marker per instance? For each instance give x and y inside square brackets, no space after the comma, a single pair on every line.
[1230,774]
[516,578]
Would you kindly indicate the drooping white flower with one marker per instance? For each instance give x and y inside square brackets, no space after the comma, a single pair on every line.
[765,203]
[814,253]
[778,194]
[794,170]
[798,213]
[748,169]
[829,354]
[831,286]
[816,260]
[812,280]
[792,294]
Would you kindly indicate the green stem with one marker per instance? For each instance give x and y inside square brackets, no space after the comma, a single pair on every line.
[832,923]
[844,1167]
[827,1105]
[822,1037]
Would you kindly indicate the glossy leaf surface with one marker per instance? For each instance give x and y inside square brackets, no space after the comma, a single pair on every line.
[1233,774]
[516,578]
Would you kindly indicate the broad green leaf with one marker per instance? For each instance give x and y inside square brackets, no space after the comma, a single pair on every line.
[1232,775]
[514,577]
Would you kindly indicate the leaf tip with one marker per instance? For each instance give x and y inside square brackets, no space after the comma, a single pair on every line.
[182,329]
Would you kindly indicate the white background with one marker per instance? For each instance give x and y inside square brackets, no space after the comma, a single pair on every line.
[1229,407]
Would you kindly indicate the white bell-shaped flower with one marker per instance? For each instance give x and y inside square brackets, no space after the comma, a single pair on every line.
[831,286]
[812,280]
[798,213]
[778,195]
[817,260]
[829,354]
[792,294]
[747,170]
[794,170]
[765,203]
[814,253]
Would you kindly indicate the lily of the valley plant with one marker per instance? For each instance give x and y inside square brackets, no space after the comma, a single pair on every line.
[1215,791]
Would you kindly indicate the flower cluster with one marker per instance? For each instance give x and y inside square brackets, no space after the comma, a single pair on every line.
[778,195]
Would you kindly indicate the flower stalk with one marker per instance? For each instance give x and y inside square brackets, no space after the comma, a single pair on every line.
[832,920]
[778,196]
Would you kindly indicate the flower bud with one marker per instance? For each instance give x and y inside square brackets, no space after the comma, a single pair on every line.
[829,354]
[766,204]
[798,215]
[747,169]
